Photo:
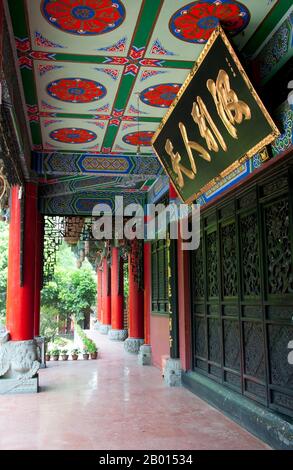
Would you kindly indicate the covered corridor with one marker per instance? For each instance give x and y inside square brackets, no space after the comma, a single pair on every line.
[113,403]
[143,136]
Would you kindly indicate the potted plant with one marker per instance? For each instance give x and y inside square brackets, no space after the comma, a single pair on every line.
[64,355]
[93,350]
[55,354]
[48,356]
[74,354]
[85,354]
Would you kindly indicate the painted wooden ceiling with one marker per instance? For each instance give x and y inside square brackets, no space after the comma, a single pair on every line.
[99,75]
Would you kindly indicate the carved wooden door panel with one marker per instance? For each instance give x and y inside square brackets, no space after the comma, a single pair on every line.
[242,294]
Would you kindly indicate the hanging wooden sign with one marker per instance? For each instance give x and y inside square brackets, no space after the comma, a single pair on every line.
[215,123]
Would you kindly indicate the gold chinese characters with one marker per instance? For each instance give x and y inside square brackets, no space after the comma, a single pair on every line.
[229,108]
[231,111]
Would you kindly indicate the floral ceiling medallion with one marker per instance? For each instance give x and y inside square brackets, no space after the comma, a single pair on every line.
[70,135]
[142,138]
[84,17]
[196,21]
[76,90]
[160,96]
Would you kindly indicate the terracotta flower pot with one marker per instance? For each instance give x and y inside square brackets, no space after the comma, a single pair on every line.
[64,357]
[55,358]
[74,357]
[48,357]
[86,356]
[94,355]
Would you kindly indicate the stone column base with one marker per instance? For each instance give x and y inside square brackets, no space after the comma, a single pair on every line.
[104,329]
[132,345]
[172,372]
[11,386]
[117,335]
[145,355]
[97,325]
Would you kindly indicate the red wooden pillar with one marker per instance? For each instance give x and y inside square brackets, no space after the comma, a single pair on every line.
[106,300]
[116,291]
[147,291]
[117,298]
[99,295]
[20,296]
[38,272]
[136,300]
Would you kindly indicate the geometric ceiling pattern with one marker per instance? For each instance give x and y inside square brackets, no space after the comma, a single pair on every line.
[62,164]
[99,75]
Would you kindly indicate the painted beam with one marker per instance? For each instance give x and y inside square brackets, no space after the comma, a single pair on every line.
[73,184]
[103,164]
[83,203]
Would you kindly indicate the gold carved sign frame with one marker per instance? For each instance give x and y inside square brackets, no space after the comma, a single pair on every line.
[216,122]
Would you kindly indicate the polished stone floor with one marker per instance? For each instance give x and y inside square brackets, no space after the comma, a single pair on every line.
[113,403]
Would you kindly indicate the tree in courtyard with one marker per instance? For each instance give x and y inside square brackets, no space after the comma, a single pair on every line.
[81,293]
[70,294]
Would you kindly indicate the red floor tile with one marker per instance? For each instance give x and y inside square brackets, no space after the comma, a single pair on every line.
[113,403]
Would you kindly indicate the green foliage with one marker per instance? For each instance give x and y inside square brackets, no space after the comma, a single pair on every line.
[71,293]
[4,236]
[80,294]
[59,341]
[75,352]
[66,258]
[91,346]
[88,344]
[55,352]
[50,323]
